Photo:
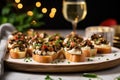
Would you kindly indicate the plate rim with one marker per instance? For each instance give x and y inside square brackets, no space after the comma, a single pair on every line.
[63,68]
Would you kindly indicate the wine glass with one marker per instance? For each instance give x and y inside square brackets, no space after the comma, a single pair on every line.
[74,11]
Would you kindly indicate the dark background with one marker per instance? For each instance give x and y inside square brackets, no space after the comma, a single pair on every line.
[98,11]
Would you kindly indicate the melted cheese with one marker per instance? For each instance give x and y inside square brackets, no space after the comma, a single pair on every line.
[102,45]
[44,53]
[65,40]
[86,47]
[73,51]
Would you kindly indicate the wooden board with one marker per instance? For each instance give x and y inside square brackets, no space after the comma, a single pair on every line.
[99,62]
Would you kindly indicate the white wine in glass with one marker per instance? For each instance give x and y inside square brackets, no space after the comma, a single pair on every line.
[74,11]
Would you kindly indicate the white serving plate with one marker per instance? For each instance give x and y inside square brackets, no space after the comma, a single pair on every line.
[99,62]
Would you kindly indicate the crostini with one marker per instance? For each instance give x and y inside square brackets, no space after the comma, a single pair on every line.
[72,48]
[19,50]
[101,44]
[17,45]
[48,51]
[35,41]
[88,48]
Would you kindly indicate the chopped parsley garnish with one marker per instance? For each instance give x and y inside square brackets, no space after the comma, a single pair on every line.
[57,42]
[27,59]
[68,44]
[59,78]
[115,54]
[90,75]
[19,42]
[57,61]
[99,58]
[38,44]
[68,62]
[107,59]
[89,59]
[48,78]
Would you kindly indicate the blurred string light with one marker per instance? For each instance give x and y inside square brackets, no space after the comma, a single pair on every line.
[30,13]
[53,12]
[44,10]
[38,4]
[20,6]
[17,1]
[33,22]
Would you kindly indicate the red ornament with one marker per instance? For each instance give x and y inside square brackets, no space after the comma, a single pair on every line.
[109,22]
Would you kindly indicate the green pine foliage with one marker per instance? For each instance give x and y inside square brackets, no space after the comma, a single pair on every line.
[21,21]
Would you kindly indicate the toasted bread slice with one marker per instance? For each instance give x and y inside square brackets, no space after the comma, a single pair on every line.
[44,59]
[89,52]
[93,52]
[61,54]
[74,57]
[17,54]
[86,51]
[104,49]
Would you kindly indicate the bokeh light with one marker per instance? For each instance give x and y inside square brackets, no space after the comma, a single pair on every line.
[17,1]
[30,13]
[44,10]
[20,6]
[53,12]
[38,4]
[33,22]
[51,15]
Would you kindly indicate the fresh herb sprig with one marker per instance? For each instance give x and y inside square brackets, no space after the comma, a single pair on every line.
[90,75]
[49,78]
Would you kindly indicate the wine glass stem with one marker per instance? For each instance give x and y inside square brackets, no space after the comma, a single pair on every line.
[74,25]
